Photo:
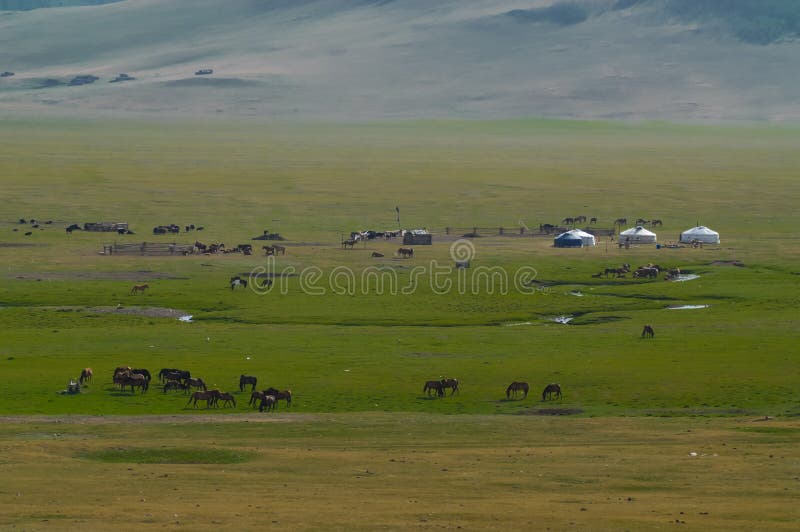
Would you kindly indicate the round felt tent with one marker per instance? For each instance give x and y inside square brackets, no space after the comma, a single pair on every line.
[573,239]
[567,240]
[700,234]
[637,235]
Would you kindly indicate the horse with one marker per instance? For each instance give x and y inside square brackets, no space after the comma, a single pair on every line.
[226,398]
[580,219]
[450,383]
[255,396]
[268,403]
[143,372]
[434,385]
[86,376]
[168,374]
[593,220]
[515,387]
[174,385]
[209,396]
[376,255]
[406,252]
[621,221]
[642,221]
[278,394]
[139,289]
[244,380]
[278,250]
[135,381]
[648,332]
[349,243]
[195,383]
[238,282]
[654,223]
[568,221]
[551,389]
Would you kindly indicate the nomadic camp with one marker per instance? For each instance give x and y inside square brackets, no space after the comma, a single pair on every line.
[700,234]
[574,238]
[637,235]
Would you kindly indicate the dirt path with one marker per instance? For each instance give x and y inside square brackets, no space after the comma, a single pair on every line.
[162,419]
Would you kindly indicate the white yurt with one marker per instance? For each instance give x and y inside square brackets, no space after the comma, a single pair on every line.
[637,235]
[700,233]
[574,238]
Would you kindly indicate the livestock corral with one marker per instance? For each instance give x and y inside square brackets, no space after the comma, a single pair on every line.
[489,380]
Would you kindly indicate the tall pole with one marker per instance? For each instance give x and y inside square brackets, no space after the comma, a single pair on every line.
[397,209]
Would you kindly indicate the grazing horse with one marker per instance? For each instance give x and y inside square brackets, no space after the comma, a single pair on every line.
[450,383]
[142,372]
[551,389]
[195,383]
[278,250]
[172,374]
[226,398]
[654,223]
[406,252]
[278,394]
[580,219]
[244,380]
[434,385]
[268,403]
[255,396]
[648,332]
[175,385]
[86,376]
[349,243]
[515,387]
[593,220]
[642,221]
[621,221]
[209,396]
[139,289]
[568,221]
[134,381]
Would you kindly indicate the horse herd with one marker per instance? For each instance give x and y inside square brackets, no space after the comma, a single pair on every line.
[441,385]
[648,271]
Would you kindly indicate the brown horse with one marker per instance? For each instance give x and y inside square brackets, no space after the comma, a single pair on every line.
[648,332]
[226,398]
[86,376]
[430,386]
[134,381]
[256,396]
[515,387]
[244,380]
[654,223]
[278,394]
[621,221]
[406,252]
[175,385]
[139,289]
[268,403]
[349,243]
[209,396]
[195,383]
[551,389]
[450,383]
[568,221]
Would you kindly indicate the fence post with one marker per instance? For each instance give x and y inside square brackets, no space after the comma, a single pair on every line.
[501,231]
[474,231]
[447,230]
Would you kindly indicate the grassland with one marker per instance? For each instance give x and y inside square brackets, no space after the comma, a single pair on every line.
[356,362]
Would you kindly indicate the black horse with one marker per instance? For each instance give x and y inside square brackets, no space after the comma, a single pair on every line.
[244,380]
[550,390]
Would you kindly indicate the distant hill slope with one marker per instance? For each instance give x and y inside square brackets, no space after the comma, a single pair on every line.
[685,60]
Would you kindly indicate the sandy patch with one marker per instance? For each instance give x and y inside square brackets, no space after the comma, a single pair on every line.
[150,312]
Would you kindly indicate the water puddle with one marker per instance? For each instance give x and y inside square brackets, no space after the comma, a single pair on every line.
[687,277]
[576,293]
[563,319]
[687,307]
[186,318]
[517,324]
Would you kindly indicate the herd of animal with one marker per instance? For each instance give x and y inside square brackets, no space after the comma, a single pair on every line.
[173,380]
[648,271]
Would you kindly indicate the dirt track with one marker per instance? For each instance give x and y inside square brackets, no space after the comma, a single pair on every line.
[162,419]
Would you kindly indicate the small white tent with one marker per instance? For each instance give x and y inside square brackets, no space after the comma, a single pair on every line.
[574,238]
[587,239]
[637,235]
[700,234]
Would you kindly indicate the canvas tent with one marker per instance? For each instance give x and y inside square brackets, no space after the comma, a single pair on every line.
[574,239]
[637,235]
[700,234]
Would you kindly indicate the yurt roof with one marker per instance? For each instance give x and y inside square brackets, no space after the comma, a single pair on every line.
[701,230]
[638,230]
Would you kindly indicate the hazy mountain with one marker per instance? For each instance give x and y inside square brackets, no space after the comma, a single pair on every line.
[366,59]
[27,5]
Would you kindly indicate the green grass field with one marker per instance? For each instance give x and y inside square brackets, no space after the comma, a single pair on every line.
[356,360]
